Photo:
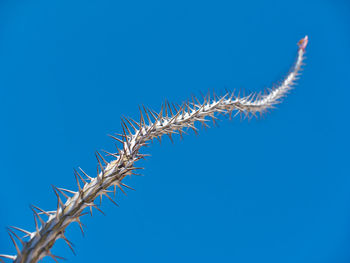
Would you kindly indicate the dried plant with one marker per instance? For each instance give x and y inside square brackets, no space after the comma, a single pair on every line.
[170,120]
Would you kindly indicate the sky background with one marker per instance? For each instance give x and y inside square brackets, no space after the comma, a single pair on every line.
[269,190]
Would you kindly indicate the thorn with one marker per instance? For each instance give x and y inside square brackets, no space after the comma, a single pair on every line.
[214,120]
[77,219]
[165,108]
[22,230]
[240,114]
[254,114]
[232,95]
[171,139]
[183,111]
[81,178]
[70,244]
[92,205]
[49,212]
[14,243]
[223,97]
[249,98]
[90,178]
[118,150]
[153,114]
[132,169]
[127,186]
[180,107]
[239,94]
[78,183]
[158,118]
[215,97]
[203,96]
[42,222]
[196,99]
[186,104]
[132,126]
[100,199]
[99,163]
[126,126]
[95,206]
[177,110]
[137,174]
[41,210]
[111,154]
[142,120]
[230,115]
[160,115]
[54,257]
[180,132]
[143,155]
[120,154]
[19,239]
[175,115]
[97,170]
[83,214]
[121,135]
[36,224]
[59,202]
[117,183]
[159,138]
[114,190]
[103,159]
[139,157]
[7,257]
[126,141]
[194,129]
[193,102]
[65,195]
[171,112]
[135,122]
[115,138]
[111,199]
[147,114]
[68,191]
[208,95]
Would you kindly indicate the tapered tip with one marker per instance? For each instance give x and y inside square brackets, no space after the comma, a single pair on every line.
[303,43]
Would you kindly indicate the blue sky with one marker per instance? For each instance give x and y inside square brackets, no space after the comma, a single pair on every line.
[269,190]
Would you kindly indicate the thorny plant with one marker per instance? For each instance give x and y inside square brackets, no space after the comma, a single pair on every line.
[170,120]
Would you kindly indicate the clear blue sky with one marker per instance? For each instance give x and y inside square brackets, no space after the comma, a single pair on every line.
[269,190]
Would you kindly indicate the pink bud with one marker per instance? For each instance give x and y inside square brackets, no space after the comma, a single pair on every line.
[303,43]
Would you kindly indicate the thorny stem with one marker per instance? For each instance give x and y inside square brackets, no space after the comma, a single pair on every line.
[135,135]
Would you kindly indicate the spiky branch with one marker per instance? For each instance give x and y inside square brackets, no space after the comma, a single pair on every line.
[170,120]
